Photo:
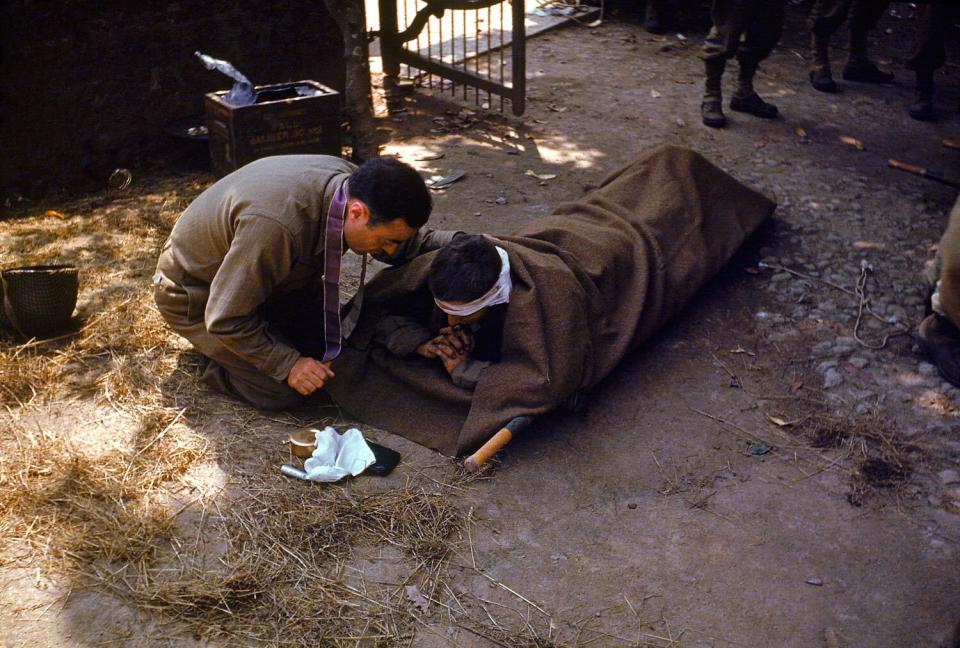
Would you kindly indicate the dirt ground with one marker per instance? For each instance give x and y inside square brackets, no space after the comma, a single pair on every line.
[756,476]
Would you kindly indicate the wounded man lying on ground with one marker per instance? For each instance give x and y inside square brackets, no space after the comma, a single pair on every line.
[469,280]
[588,284]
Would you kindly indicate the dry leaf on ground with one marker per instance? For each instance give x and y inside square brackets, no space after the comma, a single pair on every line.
[540,176]
[852,141]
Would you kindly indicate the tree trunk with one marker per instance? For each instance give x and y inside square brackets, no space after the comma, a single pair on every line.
[358,106]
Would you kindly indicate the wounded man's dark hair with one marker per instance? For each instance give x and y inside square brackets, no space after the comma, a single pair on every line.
[464,269]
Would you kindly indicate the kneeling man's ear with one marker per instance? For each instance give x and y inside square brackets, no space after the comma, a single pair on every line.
[358,212]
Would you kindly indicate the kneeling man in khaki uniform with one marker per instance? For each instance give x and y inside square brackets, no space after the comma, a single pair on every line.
[250,273]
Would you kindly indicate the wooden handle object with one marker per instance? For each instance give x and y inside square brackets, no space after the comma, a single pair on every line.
[952,143]
[906,166]
[923,173]
[496,443]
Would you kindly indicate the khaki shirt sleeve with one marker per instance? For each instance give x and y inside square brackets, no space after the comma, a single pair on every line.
[467,373]
[425,240]
[261,255]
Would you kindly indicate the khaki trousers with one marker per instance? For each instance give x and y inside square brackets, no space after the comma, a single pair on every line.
[826,16]
[949,286]
[747,29]
[182,309]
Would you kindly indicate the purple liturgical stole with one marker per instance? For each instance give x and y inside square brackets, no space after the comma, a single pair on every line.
[332,257]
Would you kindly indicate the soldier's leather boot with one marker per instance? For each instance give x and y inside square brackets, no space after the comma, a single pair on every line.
[865,71]
[939,339]
[922,106]
[711,109]
[859,67]
[745,99]
[821,78]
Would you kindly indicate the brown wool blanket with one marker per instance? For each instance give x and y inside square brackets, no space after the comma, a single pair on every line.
[590,283]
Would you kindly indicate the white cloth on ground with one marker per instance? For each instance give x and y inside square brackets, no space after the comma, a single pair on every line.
[338,455]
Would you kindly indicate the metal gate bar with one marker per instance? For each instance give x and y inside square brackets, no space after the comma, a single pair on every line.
[457,47]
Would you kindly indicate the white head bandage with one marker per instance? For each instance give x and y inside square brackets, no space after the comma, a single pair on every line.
[499,293]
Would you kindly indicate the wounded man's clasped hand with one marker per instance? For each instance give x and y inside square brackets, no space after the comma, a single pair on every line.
[451,346]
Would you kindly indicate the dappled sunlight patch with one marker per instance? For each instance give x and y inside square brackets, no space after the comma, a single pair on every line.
[557,151]
[936,402]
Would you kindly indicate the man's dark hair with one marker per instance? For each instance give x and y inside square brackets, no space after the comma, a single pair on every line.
[391,190]
[464,269]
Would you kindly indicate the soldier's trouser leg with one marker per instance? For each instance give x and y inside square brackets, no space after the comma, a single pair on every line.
[826,16]
[657,16]
[864,16]
[714,55]
[760,37]
[929,53]
[226,372]
[762,32]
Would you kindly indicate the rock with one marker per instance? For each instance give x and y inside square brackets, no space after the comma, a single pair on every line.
[949,476]
[780,276]
[898,313]
[908,432]
[901,395]
[926,369]
[822,347]
[844,344]
[832,379]
[859,362]
[826,366]
[814,581]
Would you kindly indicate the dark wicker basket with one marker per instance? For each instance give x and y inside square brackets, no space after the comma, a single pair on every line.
[39,300]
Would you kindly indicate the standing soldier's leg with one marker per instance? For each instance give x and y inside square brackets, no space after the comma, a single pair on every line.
[864,16]
[714,60]
[826,16]
[939,333]
[721,44]
[731,19]
[658,17]
[928,55]
[762,35]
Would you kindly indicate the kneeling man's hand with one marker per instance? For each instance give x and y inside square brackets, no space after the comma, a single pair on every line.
[309,375]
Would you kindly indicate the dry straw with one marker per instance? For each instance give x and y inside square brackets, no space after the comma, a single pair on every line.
[259,559]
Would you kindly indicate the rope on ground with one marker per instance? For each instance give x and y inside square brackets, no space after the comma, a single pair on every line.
[860,293]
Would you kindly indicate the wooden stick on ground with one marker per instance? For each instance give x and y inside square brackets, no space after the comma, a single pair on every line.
[496,443]
[922,172]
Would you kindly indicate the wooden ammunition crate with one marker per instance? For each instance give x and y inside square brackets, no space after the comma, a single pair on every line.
[281,122]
